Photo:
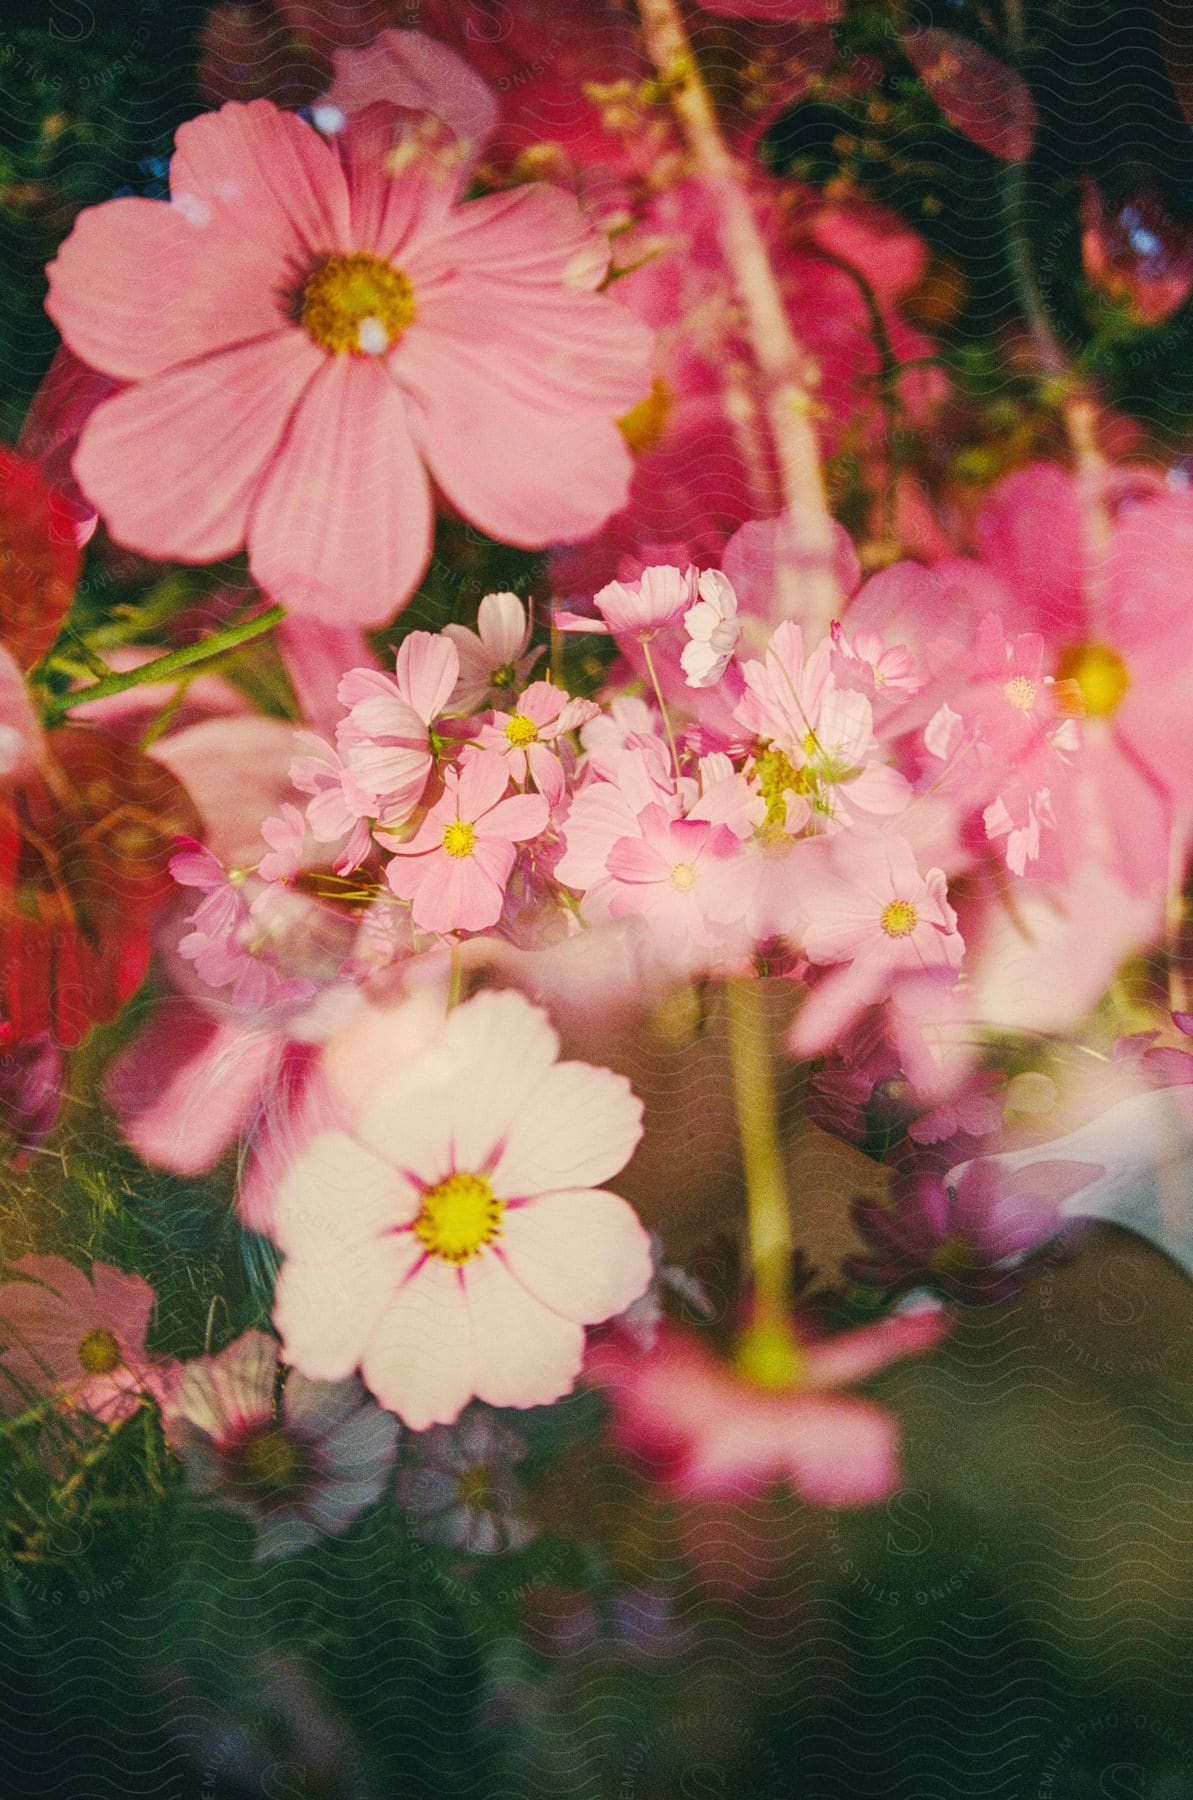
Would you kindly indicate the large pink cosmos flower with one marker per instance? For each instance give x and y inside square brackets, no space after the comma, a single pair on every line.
[80,1341]
[453,1240]
[704,1430]
[337,329]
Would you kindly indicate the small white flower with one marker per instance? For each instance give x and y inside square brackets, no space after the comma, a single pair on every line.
[713,627]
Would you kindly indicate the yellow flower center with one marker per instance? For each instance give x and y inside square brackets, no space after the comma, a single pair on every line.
[356,303]
[643,426]
[683,877]
[269,1460]
[99,1353]
[768,1355]
[776,778]
[459,839]
[899,919]
[459,1217]
[1021,693]
[953,1257]
[521,731]
[1099,676]
[475,1487]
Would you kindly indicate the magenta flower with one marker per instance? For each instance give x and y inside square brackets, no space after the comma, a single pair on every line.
[454,1240]
[455,868]
[867,910]
[79,1341]
[340,333]
[972,1239]
[703,1430]
[299,1470]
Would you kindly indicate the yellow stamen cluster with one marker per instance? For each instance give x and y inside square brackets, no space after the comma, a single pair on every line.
[1021,693]
[643,426]
[1096,676]
[899,919]
[459,839]
[357,304]
[683,877]
[99,1353]
[521,731]
[459,1217]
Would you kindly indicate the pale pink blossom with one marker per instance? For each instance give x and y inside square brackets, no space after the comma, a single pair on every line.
[713,629]
[229,940]
[702,1429]
[638,609]
[869,913]
[78,1340]
[455,868]
[495,658]
[387,737]
[334,294]
[340,811]
[527,737]
[681,876]
[298,1468]
[286,836]
[454,1239]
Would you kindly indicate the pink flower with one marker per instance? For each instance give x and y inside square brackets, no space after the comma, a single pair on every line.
[340,811]
[454,1240]
[323,355]
[969,1238]
[704,1430]
[80,1341]
[868,907]
[299,1470]
[496,656]
[455,868]
[230,939]
[638,609]
[524,738]
[713,630]
[286,837]
[385,738]
[680,875]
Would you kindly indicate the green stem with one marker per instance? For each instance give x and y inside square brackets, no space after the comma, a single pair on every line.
[175,662]
[658,694]
[754,1096]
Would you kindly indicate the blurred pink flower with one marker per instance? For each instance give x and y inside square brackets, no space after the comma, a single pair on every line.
[331,292]
[80,1341]
[299,1470]
[458,1486]
[972,1239]
[455,868]
[453,1241]
[704,1430]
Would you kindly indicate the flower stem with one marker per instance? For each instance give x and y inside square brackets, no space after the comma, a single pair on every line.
[807,584]
[754,1096]
[658,694]
[175,662]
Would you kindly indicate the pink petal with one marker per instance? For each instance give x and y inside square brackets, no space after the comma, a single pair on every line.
[854,1355]
[500,1049]
[336,1196]
[521,816]
[419,1361]
[342,525]
[428,667]
[581,1253]
[457,894]
[483,779]
[187,1085]
[980,95]
[392,213]
[326,1312]
[111,276]
[174,463]
[526,1355]
[268,175]
[524,475]
[533,235]
[316,656]
[579,1127]
[407,69]
[842,1452]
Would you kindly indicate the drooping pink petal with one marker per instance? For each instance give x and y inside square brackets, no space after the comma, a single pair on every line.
[580,1252]
[342,525]
[174,463]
